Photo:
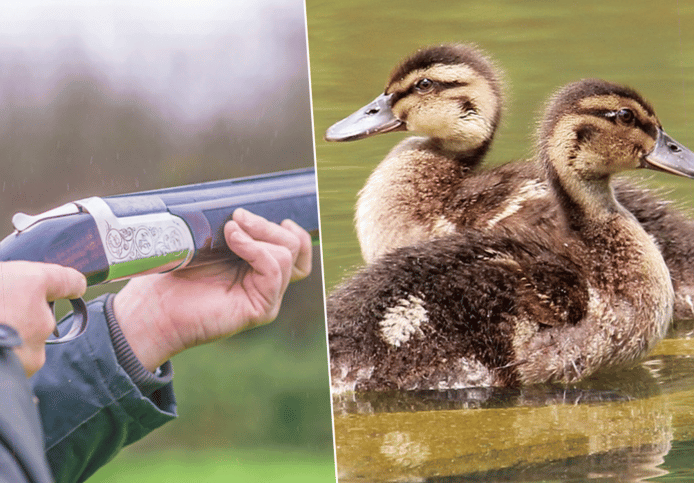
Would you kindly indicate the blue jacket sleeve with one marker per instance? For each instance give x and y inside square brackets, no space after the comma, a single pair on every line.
[89,404]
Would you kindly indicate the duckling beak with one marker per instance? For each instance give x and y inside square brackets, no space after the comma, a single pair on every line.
[374,118]
[670,156]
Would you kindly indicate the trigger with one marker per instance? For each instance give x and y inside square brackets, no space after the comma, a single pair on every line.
[56,333]
[79,322]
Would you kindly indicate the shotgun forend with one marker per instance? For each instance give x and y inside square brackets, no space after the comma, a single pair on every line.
[120,237]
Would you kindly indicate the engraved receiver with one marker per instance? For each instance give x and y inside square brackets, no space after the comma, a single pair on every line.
[120,237]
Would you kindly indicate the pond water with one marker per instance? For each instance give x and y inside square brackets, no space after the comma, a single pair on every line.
[629,426]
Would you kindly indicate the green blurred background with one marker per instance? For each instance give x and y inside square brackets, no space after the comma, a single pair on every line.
[113,97]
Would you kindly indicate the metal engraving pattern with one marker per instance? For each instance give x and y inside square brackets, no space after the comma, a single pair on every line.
[131,243]
[140,244]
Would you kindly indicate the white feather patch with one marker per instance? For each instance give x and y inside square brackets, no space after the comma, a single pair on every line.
[443,227]
[403,321]
[529,191]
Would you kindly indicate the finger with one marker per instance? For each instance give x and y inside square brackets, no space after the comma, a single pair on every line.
[62,282]
[272,262]
[263,230]
[303,261]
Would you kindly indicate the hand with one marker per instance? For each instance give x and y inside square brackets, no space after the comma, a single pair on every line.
[25,290]
[162,315]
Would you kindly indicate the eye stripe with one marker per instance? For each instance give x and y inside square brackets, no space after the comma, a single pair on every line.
[438,87]
[608,114]
[397,96]
[611,115]
[452,84]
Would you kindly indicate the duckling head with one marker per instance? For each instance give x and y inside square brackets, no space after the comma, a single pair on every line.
[451,93]
[593,129]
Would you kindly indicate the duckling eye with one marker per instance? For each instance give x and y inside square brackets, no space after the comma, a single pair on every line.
[625,116]
[424,85]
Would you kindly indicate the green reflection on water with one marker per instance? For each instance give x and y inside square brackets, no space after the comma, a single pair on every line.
[618,425]
[540,45]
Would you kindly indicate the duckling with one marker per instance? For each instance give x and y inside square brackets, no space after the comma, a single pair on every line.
[431,186]
[452,94]
[487,309]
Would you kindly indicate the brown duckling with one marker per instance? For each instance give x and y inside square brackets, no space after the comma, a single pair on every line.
[486,309]
[453,95]
[430,186]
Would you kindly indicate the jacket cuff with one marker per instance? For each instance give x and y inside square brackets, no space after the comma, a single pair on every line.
[146,381]
[89,405]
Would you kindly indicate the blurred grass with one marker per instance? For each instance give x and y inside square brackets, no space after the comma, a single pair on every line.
[209,466]
[266,386]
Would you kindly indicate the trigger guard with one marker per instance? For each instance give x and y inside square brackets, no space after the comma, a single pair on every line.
[79,322]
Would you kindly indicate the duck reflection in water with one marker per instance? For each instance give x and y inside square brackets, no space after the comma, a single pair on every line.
[615,426]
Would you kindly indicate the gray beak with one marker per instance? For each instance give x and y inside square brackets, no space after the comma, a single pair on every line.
[374,118]
[670,156]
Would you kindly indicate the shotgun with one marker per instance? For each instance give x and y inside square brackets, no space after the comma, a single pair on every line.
[120,237]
